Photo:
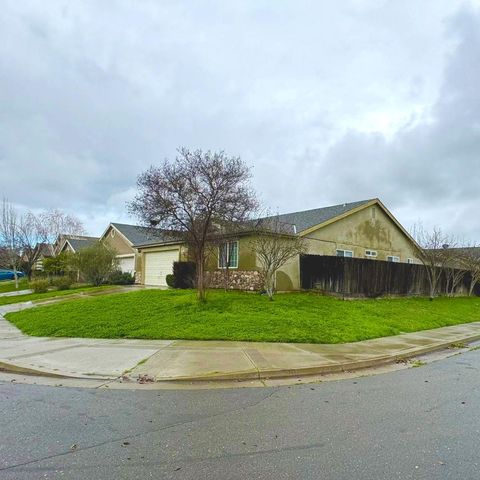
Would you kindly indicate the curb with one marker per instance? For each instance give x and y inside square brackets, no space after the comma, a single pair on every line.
[258,374]
[320,369]
[8,367]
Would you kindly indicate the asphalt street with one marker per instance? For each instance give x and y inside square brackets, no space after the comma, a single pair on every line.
[419,423]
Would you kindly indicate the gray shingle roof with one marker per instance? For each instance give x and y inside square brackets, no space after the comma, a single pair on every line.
[309,218]
[138,235]
[78,242]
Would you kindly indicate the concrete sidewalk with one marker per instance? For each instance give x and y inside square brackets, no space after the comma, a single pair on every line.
[182,360]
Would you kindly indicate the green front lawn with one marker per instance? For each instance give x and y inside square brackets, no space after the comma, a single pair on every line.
[50,294]
[9,285]
[292,317]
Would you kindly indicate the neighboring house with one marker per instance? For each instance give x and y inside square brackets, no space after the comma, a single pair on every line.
[74,243]
[42,251]
[123,239]
[364,229]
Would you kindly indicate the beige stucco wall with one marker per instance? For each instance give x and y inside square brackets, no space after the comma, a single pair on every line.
[366,229]
[122,247]
[117,242]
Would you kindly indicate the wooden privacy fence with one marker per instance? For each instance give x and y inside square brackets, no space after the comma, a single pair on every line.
[369,278]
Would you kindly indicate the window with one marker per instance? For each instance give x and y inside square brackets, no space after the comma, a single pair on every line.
[228,255]
[410,260]
[370,253]
[393,258]
[112,233]
[344,253]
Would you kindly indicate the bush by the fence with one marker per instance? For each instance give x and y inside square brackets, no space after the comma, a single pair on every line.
[39,286]
[184,274]
[62,283]
[121,278]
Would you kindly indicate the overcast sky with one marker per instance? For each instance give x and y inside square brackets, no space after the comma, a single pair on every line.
[328,101]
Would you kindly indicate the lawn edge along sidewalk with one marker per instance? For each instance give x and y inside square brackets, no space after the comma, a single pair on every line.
[197,361]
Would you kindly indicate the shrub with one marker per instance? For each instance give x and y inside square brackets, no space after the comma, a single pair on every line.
[59,265]
[184,274]
[96,263]
[39,286]
[121,278]
[170,279]
[62,283]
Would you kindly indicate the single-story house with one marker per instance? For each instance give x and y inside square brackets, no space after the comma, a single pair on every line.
[42,251]
[74,243]
[363,229]
[123,238]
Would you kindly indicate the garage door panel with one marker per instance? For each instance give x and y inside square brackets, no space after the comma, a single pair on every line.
[158,265]
[127,264]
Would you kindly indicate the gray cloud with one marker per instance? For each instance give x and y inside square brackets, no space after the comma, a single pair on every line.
[327,102]
[428,171]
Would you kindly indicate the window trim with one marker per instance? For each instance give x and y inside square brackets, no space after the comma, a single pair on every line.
[394,258]
[344,251]
[374,253]
[228,255]
[410,261]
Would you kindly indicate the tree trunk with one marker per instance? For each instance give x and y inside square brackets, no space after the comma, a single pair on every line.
[472,286]
[201,277]
[269,285]
[15,276]
[432,285]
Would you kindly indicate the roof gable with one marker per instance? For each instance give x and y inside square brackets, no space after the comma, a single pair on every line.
[77,242]
[307,219]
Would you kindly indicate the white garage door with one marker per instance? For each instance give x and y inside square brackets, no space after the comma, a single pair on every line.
[127,264]
[158,265]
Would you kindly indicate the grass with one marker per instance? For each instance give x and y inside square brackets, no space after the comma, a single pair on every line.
[29,297]
[291,317]
[9,285]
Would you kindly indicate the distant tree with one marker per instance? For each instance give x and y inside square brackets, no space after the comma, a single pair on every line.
[55,223]
[437,254]
[454,272]
[60,264]
[95,263]
[198,197]
[10,238]
[275,243]
[4,258]
[31,238]
[471,262]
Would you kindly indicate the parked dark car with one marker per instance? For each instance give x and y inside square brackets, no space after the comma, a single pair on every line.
[9,275]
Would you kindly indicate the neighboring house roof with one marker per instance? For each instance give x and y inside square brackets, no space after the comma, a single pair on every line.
[310,218]
[77,242]
[44,250]
[136,234]
[474,251]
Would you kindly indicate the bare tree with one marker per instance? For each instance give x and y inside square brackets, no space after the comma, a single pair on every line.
[31,234]
[23,235]
[437,251]
[454,271]
[471,262]
[275,243]
[196,198]
[9,238]
[56,223]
